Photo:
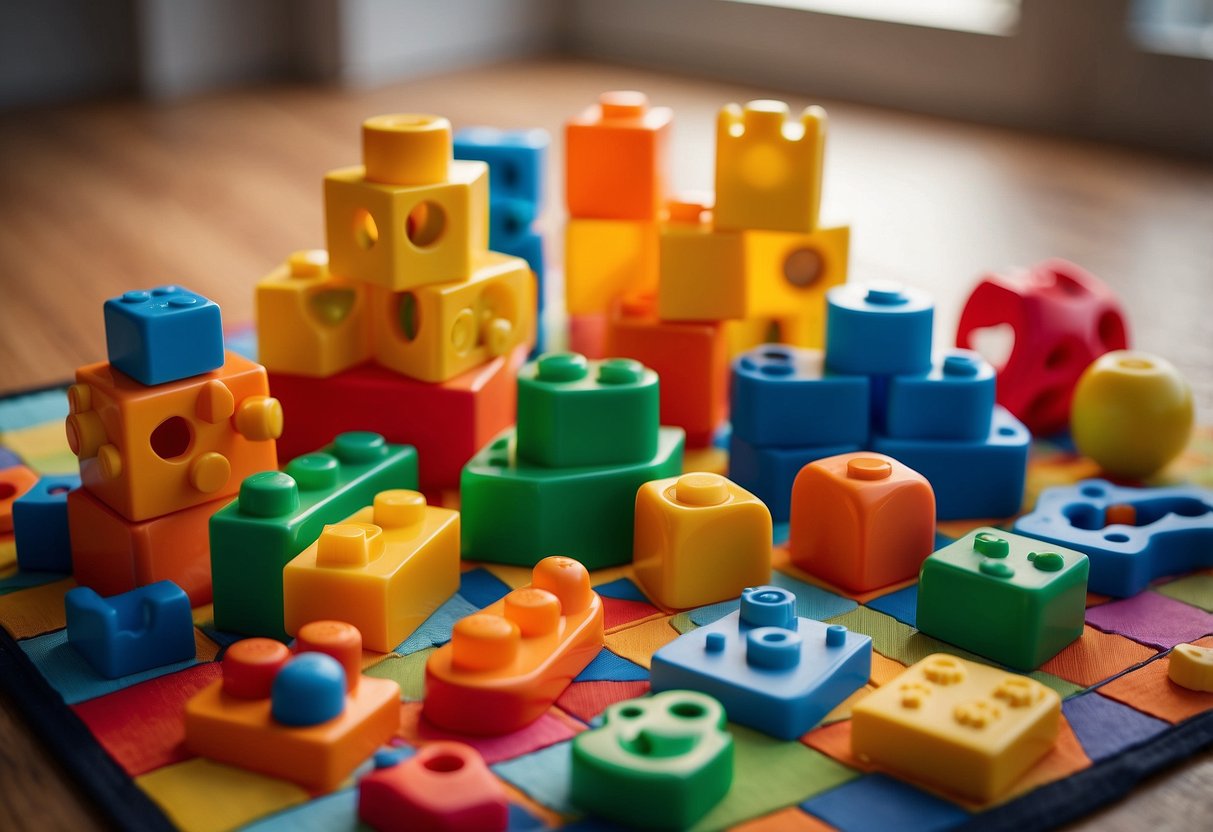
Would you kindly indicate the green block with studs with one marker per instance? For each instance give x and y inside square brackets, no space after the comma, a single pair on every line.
[279,514]
[574,413]
[1014,600]
[516,512]
[660,762]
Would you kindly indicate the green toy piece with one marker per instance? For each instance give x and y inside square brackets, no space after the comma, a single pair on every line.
[659,762]
[278,515]
[1009,598]
[574,413]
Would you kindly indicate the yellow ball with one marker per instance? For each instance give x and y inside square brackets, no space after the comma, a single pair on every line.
[1132,413]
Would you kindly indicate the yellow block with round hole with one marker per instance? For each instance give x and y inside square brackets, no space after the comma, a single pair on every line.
[1191,666]
[606,259]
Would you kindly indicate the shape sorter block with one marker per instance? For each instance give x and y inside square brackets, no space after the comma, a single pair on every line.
[878,328]
[958,725]
[1131,535]
[279,514]
[604,259]
[616,158]
[310,322]
[861,520]
[575,413]
[40,528]
[699,539]
[971,478]
[783,396]
[384,569]
[506,665]
[148,451]
[14,482]
[769,473]
[409,216]
[1004,597]
[1063,318]
[955,400]
[1191,666]
[444,787]
[768,167]
[164,334]
[438,331]
[311,718]
[516,160]
[661,762]
[135,631]
[773,671]
[516,512]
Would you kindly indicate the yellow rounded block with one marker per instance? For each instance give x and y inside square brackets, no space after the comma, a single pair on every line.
[1191,666]
[406,149]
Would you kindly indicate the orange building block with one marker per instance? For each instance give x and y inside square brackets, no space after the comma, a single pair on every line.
[861,520]
[14,482]
[505,666]
[605,259]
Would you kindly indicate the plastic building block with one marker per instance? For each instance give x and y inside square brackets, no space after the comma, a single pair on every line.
[40,525]
[604,259]
[438,331]
[444,787]
[861,521]
[588,333]
[1004,597]
[410,216]
[310,322]
[447,423]
[147,627]
[516,159]
[768,167]
[616,158]
[878,328]
[505,666]
[14,482]
[773,671]
[385,569]
[1191,666]
[516,512]
[958,725]
[769,473]
[970,479]
[1132,413]
[277,515]
[148,451]
[660,762]
[1131,535]
[702,268]
[1063,318]
[699,539]
[572,413]
[164,334]
[953,401]
[235,720]
[783,396]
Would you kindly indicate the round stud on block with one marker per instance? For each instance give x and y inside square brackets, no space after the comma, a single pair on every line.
[315,471]
[250,665]
[345,545]
[85,433]
[498,336]
[996,569]
[962,363]
[715,643]
[836,635]
[308,263]
[484,642]
[463,332]
[209,472]
[991,545]
[773,648]
[686,209]
[308,690]
[407,149]
[109,460]
[701,489]
[359,446]
[338,639]
[398,508]
[623,104]
[1191,666]
[869,468]
[135,297]
[215,402]
[535,611]
[943,670]
[259,418]
[768,606]
[268,494]
[79,398]
[565,578]
[1047,561]
[561,366]
[620,371]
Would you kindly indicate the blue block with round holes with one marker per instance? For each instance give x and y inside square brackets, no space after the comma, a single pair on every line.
[772,670]
[163,334]
[40,525]
[879,328]
[516,160]
[955,400]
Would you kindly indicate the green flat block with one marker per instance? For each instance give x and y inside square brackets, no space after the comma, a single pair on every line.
[278,515]
[1012,599]
[518,513]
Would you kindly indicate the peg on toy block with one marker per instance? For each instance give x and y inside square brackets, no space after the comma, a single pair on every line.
[1191,666]
[770,473]
[138,630]
[163,334]
[878,328]
[40,526]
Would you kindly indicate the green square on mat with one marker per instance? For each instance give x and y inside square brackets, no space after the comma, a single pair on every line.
[1196,590]
[407,671]
[895,639]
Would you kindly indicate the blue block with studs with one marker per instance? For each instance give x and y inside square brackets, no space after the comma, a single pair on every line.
[163,334]
[878,328]
[955,400]
[147,627]
[40,529]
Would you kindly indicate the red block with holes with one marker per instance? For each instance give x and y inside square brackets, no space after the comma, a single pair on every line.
[1063,318]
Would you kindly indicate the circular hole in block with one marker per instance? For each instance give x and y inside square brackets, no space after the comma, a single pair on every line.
[171,438]
[1111,329]
[1116,537]
[408,317]
[7,490]
[687,710]
[444,763]
[366,232]
[630,712]
[1005,431]
[509,174]
[1092,491]
[803,267]
[1057,356]
[54,491]
[425,224]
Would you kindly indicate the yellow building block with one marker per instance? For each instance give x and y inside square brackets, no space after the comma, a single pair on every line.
[434,333]
[412,216]
[310,323]
[699,539]
[605,259]
[385,569]
[743,335]
[768,168]
[959,725]
[1191,666]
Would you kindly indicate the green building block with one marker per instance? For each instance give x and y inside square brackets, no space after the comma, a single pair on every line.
[519,513]
[1012,599]
[574,413]
[660,762]
[278,515]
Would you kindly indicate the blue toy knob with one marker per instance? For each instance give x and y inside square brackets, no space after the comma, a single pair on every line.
[309,690]
[768,606]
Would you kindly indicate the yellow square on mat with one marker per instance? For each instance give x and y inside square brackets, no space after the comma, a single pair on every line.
[47,440]
[34,611]
[639,643]
[201,796]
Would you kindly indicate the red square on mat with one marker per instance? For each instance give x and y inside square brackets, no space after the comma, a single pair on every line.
[1096,656]
[586,700]
[618,611]
[1151,691]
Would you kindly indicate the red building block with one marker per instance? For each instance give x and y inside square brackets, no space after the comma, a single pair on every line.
[444,787]
[1064,318]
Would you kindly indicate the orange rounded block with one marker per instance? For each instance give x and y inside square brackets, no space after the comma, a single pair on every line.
[14,482]
[444,787]
[861,521]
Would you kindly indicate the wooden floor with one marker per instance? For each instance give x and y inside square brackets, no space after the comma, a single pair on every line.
[214,192]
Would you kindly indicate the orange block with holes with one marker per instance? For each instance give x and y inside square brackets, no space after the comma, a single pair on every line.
[505,666]
[14,482]
[861,520]
[148,451]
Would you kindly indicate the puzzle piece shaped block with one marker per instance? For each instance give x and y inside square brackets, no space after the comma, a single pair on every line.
[135,631]
[163,334]
[444,787]
[14,483]
[516,160]
[955,400]
[40,527]
[770,473]
[1191,666]
[878,328]
[604,259]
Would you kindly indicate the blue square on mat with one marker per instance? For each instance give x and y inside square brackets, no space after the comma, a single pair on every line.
[621,590]
[609,667]
[878,802]
[544,775]
[902,604]
[480,587]
[1105,727]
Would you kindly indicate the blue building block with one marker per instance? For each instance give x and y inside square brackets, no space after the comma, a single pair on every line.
[781,396]
[982,479]
[129,633]
[516,159]
[1131,535]
[768,473]
[771,670]
[163,335]
[308,690]
[878,328]
[40,525]
[953,401]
